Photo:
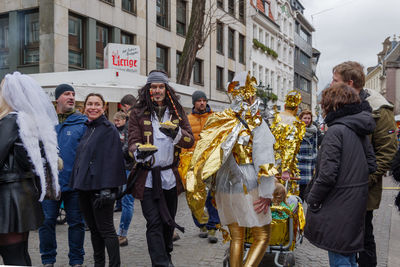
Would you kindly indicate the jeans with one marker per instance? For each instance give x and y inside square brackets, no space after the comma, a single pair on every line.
[127,203]
[212,213]
[126,214]
[342,260]
[102,231]
[76,229]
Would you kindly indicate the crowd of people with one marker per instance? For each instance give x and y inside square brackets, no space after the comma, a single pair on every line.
[232,164]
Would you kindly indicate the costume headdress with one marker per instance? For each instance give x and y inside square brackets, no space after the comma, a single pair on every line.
[243,85]
[293,99]
[36,121]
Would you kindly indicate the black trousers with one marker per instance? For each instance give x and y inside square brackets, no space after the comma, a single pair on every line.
[102,230]
[367,258]
[158,234]
[16,254]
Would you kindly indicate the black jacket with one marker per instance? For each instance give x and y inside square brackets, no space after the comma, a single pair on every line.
[338,196]
[99,162]
[14,161]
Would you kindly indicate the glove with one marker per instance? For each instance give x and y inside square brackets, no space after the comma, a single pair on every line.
[170,132]
[104,197]
[144,154]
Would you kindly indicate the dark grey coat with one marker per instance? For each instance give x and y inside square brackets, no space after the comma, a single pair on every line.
[338,197]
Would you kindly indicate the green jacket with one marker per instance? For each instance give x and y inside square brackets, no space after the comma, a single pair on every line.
[385,144]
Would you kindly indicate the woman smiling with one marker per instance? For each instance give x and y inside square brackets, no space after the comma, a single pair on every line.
[98,171]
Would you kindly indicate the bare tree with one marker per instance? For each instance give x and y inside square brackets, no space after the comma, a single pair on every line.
[202,23]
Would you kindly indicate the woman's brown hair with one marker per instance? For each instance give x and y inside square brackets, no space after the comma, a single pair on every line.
[94,94]
[305,112]
[338,95]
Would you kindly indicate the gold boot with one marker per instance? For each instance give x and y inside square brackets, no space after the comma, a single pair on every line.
[237,245]
[261,236]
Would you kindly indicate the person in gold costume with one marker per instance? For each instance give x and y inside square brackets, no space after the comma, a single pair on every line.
[237,146]
[288,131]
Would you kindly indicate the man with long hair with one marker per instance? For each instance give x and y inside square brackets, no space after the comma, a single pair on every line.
[158,121]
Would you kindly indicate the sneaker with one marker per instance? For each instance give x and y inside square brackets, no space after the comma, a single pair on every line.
[211,236]
[203,232]
[123,241]
[175,237]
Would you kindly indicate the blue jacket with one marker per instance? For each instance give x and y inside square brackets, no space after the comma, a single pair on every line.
[69,134]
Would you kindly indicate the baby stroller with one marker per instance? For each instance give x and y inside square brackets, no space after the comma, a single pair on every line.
[286,233]
[61,218]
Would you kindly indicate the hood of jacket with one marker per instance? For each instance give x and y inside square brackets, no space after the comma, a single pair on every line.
[354,116]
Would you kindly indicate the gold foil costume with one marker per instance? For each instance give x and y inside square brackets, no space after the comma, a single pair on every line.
[236,151]
[288,131]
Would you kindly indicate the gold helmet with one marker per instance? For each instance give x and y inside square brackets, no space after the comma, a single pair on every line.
[243,85]
[293,99]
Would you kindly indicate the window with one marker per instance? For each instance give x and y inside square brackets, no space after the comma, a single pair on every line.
[231,43]
[231,7]
[127,38]
[75,42]
[305,35]
[241,49]
[272,82]
[241,10]
[290,29]
[305,84]
[231,75]
[102,39]
[260,35]
[290,56]
[198,71]
[284,53]
[266,79]
[220,4]
[272,43]
[254,31]
[162,13]
[260,74]
[304,59]
[178,57]
[30,41]
[162,58]
[220,37]
[181,17]
[254,69]
[220,78]
[3,42]
[109,1]
[266,7]
[266,39]
[129,5]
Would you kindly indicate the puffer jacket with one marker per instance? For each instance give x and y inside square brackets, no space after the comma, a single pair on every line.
[197,122]
[338,196]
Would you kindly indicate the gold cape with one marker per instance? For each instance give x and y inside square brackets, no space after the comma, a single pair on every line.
[207,159]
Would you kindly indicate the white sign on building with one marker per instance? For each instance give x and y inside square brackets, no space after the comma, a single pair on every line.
[122,57]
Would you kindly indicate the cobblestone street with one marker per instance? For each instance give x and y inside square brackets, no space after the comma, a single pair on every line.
[193,251]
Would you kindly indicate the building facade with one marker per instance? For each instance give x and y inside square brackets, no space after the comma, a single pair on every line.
[303,55]
[65,35]
[272,43]
[385,76]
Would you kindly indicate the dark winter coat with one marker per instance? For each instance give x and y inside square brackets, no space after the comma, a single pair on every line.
[69,134]
[99,162]
[338,197]
[384,142]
